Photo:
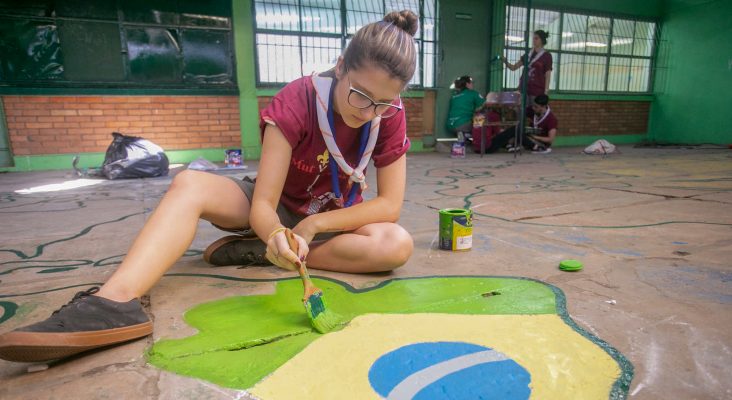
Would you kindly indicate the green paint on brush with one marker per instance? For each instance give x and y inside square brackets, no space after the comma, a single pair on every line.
[322,319]
[242,339]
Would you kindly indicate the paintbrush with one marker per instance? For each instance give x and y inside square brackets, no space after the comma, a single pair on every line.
[321,318]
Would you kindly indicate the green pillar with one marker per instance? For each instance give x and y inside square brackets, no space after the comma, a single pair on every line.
[498,29]
[243,21]
[6,159]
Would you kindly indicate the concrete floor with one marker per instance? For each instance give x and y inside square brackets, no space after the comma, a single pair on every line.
[653,228]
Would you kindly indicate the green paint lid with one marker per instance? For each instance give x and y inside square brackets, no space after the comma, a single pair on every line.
[570,265]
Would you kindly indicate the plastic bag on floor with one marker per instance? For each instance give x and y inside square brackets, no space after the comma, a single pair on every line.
[134,157]
[202,164]
[601,146]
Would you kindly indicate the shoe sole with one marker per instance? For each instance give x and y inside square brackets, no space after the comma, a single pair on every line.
[217,245]
[44,346]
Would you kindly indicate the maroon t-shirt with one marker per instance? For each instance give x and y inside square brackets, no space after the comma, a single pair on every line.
[537,73]
[549,123]
[308,185]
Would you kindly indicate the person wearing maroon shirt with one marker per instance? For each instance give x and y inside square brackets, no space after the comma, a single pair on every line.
[318,135]
[540,67]
[544,124]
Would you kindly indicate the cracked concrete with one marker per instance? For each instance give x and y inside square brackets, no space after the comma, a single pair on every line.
[652,227]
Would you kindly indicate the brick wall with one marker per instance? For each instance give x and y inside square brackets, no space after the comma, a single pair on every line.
[601,117]
[420,113]
[72,124]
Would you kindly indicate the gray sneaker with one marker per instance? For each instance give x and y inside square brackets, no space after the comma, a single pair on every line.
[236,250]
[84,323]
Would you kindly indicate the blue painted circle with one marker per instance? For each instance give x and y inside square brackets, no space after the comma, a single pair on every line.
[487,374]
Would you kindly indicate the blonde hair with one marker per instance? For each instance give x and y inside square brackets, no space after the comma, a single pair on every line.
[388,44]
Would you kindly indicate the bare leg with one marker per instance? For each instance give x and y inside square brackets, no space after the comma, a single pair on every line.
[170,230]
[371,248]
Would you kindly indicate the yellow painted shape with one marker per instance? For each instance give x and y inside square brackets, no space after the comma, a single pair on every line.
[562,363]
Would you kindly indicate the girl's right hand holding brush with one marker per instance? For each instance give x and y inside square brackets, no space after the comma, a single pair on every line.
[279,252]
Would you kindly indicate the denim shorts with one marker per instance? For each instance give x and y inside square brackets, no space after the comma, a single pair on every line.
[287,218]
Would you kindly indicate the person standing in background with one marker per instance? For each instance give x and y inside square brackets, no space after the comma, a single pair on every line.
[540,68]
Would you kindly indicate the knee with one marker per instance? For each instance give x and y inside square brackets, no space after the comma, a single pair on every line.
[397,246]
[188,188]
[185,181]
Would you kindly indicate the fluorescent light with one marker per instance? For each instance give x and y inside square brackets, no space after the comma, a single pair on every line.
[581,45]
[567,34]
[575,45]
[617,42]
[514,38]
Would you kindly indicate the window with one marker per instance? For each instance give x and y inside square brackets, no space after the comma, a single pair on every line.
[127,44]
[298,37]
[591,53]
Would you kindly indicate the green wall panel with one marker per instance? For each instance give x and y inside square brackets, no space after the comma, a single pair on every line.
[29,50]
[243,24]
[206,64]
[80,44]
[98,41]
[99,9]
[6,159]
[154,54]
[694,84]
[463,50]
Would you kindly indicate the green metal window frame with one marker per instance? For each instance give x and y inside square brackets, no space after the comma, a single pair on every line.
[127,86]
[556,73]
[344,36]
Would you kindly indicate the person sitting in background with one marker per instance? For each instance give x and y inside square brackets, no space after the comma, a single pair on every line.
[463,104]
[540,67]
[483,127]
[540,138]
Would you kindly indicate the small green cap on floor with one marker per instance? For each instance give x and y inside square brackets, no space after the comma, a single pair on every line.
[570,265]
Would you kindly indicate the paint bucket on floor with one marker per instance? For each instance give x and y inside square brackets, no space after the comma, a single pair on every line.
[233,158]
[456,229]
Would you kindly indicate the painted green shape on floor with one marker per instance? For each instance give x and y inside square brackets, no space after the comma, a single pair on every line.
[243,339]
[9,309]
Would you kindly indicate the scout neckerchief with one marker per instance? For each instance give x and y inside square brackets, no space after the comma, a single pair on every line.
[324,87]
[543,117]
[536,57]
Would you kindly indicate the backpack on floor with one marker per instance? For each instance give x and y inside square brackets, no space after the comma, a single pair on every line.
[134,157]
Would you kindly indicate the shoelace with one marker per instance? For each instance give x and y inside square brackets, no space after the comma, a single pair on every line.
[252,258]
[78,296]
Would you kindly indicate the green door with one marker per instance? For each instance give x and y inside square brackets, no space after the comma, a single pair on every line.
[6,159]
[465,27]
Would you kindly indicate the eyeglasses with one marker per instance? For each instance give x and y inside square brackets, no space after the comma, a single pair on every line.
[361,100]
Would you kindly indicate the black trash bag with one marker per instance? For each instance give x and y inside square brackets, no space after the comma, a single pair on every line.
[134,157]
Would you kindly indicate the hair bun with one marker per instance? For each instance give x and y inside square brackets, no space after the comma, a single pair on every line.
[406,20]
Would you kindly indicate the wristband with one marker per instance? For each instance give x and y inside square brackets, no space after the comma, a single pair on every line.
[276,231]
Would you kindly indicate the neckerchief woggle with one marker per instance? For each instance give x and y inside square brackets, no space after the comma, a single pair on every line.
[326,121]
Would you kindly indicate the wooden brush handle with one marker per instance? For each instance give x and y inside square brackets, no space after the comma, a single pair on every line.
[302,268]
[294,245]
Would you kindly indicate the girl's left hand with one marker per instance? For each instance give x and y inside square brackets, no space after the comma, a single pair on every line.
[305,230]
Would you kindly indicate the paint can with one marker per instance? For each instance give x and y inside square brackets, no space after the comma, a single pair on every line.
[233,158]
[456,229]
